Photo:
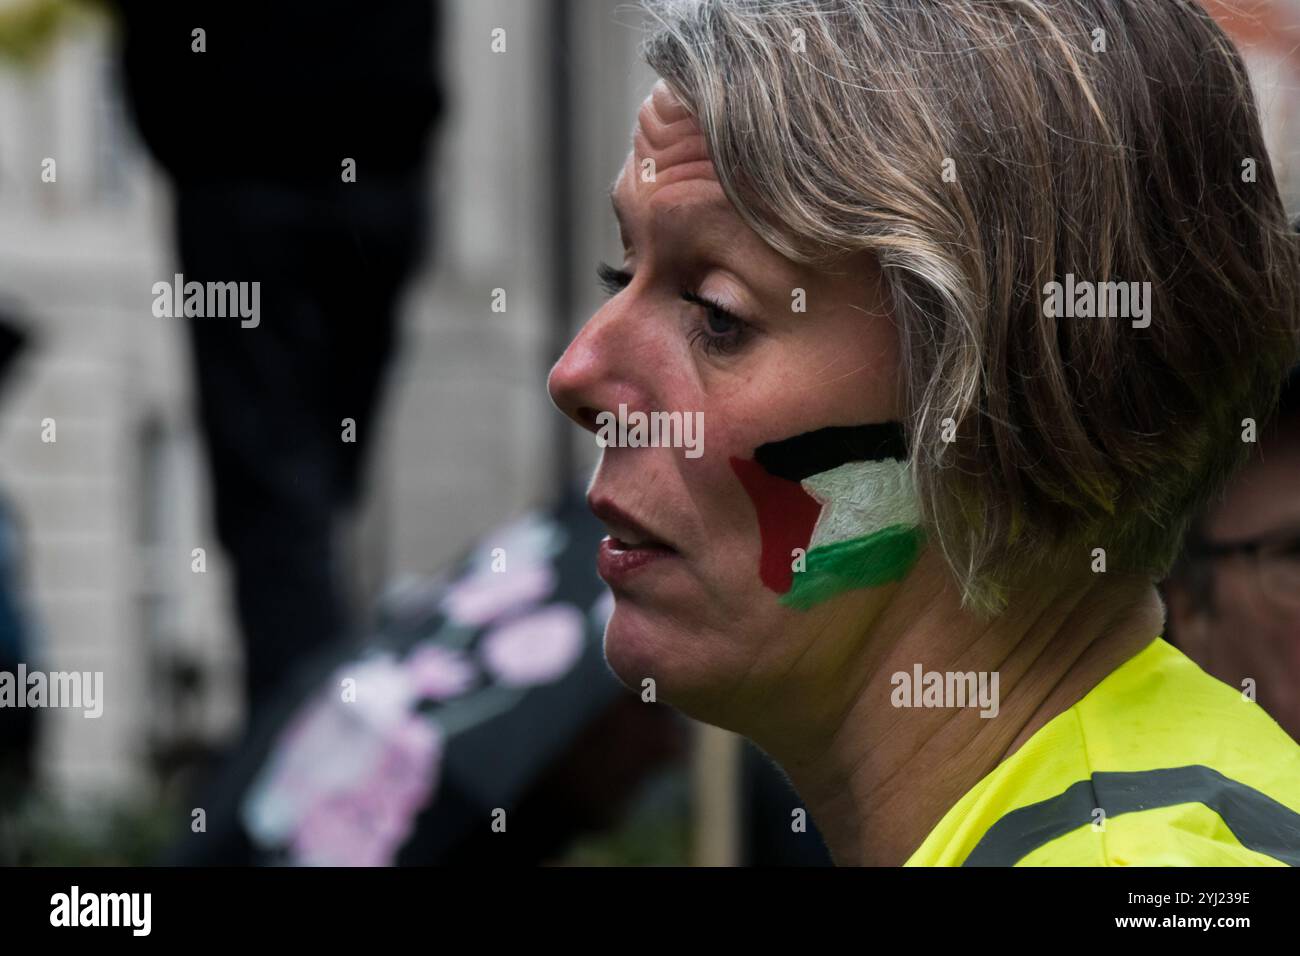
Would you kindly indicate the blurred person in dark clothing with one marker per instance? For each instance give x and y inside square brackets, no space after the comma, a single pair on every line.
[1234,599]
[296,141]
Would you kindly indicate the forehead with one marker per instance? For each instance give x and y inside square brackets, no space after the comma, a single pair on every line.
[669,162]
[668,183]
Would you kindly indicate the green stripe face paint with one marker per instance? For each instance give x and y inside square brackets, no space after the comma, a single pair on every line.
[837,511]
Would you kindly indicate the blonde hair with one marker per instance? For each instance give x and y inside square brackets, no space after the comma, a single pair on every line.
[1101,138]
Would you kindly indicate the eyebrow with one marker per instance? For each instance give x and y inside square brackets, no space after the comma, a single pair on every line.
[719,204]
[721,212]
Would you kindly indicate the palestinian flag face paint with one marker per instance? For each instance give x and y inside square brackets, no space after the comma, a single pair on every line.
[844,497]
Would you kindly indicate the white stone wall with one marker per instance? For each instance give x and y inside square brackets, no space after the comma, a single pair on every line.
[77,259]
[468,429]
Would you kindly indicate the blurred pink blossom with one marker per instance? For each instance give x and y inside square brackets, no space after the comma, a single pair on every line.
[487,595]
[440,672]
[535,649]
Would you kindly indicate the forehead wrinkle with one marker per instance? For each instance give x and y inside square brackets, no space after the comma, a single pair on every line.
[665,102]
[670,136]
[701,173]
[674,142]
[715,219]
[676,152]
[663,118]
[690,220]
[653,130]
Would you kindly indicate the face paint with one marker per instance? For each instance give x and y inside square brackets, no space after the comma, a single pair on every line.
[786,517]
[845,496]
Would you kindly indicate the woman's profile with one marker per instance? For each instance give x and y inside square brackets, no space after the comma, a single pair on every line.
[977,303]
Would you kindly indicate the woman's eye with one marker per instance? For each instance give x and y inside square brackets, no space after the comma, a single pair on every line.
[719,332]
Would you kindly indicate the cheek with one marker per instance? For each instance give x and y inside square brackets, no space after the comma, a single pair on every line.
[731,544]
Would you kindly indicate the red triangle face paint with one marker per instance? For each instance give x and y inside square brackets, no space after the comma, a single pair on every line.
[786,516]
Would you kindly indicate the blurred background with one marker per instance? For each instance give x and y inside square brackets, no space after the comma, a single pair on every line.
[524,109]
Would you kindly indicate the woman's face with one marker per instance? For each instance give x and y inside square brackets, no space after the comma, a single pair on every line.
[692,609]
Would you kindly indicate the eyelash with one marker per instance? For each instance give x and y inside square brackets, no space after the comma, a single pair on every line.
[613,281]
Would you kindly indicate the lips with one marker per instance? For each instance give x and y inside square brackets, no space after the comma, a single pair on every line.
[622,527]
[630,545]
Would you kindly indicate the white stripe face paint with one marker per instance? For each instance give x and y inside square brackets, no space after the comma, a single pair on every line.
[860,498]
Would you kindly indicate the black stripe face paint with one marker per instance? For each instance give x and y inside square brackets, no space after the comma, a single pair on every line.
[811,453]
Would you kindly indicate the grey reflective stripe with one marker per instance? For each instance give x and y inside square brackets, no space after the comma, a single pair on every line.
[1258,821]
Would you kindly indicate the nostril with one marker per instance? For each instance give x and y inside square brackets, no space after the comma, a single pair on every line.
[586,416]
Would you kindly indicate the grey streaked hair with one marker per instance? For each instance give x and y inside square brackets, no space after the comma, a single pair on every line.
[829,123]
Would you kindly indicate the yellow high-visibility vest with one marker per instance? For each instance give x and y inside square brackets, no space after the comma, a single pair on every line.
[1159,765]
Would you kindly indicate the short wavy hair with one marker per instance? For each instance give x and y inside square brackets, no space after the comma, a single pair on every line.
[1114,140]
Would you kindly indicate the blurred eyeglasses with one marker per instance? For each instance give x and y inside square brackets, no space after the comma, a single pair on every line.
[1273,559]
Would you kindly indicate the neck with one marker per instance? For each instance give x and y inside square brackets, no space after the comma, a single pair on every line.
[878,777]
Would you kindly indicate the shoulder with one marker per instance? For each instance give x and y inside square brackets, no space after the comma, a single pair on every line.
[1189,834]
[1183,770]
[1160,765]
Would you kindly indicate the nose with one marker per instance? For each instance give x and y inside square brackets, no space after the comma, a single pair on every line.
[586,380]
[572,384]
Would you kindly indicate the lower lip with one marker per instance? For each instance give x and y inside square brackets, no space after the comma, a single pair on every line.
[616,563]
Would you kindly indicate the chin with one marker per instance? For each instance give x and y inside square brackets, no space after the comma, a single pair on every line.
[635,648]
[639,644]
